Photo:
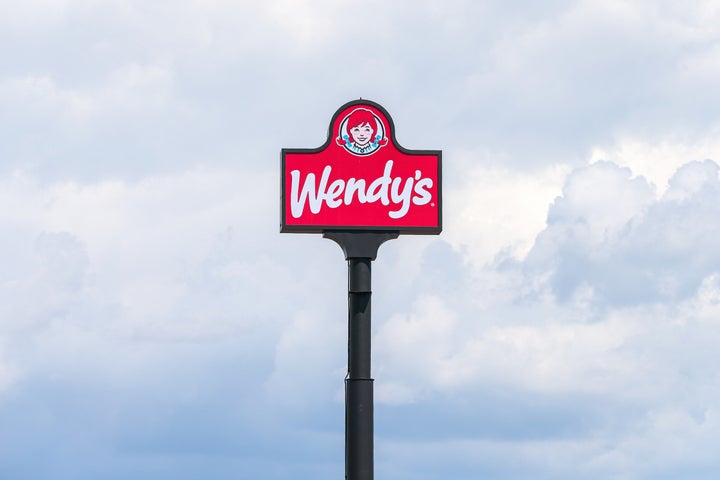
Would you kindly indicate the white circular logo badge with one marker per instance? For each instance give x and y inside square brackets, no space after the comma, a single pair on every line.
[361,132]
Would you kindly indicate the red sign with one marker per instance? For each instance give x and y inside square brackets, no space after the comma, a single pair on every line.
[361,179]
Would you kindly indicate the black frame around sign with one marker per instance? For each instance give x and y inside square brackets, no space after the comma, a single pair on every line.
[367,228]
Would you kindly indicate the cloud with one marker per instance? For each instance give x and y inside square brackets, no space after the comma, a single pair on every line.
[153,323]
[180,85]
[136,314]
[157,247]
[618,368]
[510,204]
[309,364]
[593,375]
[657,160]
[9,372]
[608,233]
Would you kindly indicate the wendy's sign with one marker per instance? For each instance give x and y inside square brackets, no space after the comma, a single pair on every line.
[361,179]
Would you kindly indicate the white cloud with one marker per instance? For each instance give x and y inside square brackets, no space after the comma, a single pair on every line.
[41,96]
[133,88]
[413,349]
[495,210]
[34,14]
[609,232]
[9,372]
[600,199]
[149,248]
[308,360]
[637,387]
[658,160]
[645,358]
[558,351]
[566,318]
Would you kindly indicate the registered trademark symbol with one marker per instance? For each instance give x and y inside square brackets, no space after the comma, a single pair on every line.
[432,204]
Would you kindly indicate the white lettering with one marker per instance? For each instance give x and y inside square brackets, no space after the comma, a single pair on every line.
[378,189]
[423,197]
[403,197]
[354,185]
[297,201]
[335,191]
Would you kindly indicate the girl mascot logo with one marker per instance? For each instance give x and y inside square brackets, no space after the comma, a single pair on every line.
[361,132]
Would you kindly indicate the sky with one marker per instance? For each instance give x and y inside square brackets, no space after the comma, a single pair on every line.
[154,323]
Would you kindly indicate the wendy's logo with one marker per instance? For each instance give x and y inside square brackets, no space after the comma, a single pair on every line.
[343,186]
[361,132]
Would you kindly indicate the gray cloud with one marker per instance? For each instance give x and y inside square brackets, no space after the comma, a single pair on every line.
[204,84]
[154,324]
[612,236]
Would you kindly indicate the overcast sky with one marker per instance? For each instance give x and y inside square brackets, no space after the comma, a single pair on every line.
[154,324]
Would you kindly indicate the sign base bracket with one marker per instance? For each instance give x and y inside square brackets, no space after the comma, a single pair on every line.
[360,244]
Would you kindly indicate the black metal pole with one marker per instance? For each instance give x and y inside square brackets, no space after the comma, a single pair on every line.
[360,250]
[359,384]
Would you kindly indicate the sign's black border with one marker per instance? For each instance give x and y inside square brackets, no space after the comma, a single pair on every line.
[369,228]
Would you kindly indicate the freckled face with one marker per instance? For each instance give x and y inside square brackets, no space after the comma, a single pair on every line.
[362,134]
